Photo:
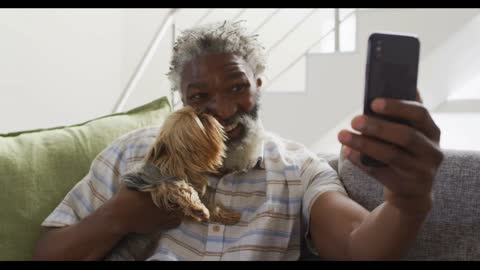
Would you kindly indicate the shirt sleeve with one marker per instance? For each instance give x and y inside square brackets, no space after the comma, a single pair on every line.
[100,183]
[318,177]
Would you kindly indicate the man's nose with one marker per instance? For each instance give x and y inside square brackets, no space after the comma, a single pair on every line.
[222,108]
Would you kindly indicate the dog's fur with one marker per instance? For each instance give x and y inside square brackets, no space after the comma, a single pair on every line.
[190,145]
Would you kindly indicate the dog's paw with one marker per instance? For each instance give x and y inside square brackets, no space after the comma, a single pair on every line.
[225,216]
[199,213]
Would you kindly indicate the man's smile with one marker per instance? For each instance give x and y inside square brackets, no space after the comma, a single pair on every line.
[234,131]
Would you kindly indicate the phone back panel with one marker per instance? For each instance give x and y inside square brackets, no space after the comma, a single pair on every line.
[392,68]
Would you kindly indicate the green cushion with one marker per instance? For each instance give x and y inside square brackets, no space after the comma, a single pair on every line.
[39,167]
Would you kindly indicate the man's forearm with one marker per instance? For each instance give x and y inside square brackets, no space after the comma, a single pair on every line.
[386,233]
[90,239]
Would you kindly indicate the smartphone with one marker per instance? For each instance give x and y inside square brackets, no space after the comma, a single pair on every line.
[391,72]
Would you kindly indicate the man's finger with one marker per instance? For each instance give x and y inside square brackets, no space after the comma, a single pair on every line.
[411,111]
[400,135]
[399,160]
[382,175]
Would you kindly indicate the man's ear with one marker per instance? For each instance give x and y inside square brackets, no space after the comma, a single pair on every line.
[182,97]
[259,83]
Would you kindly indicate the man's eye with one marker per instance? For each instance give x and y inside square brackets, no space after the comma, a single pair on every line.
[238,87]
[198,96]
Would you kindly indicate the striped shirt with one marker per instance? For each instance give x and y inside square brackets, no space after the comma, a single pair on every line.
[274,197]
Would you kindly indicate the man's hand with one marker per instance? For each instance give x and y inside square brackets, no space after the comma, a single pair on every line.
[96,235]
[412,153]
[135,212]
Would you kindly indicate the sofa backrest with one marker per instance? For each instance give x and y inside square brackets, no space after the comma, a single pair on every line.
[39,167]
[452,229]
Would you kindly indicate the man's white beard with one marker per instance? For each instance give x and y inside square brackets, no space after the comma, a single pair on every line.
[240,155]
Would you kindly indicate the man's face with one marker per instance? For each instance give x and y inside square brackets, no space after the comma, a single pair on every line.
[224,86]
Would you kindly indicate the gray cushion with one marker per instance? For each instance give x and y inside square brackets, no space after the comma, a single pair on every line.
[452,229]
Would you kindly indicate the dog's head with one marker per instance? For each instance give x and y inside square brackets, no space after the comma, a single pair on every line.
[189,141]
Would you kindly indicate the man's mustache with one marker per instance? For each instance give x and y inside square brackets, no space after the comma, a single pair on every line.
[252,114]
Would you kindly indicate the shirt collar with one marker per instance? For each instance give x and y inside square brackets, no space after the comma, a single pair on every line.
[257,157]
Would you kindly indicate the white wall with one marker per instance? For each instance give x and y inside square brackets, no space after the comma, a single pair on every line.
[64,66]
[453,65]
[51,62]
[459,130]
[140,27]
[334,89]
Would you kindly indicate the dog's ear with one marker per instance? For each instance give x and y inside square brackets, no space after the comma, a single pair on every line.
[158,149]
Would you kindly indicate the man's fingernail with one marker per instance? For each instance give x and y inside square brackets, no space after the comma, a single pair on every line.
[379,104]
[346,151]
[345,137]
[360,124]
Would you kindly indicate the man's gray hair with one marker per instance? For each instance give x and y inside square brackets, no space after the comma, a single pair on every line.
[219,37]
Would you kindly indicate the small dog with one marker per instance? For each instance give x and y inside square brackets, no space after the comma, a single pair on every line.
[190,145]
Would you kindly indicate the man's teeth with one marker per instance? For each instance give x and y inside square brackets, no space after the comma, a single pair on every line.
[230,127]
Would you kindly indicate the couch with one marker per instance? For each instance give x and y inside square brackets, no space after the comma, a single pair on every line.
[38,167]
[452,229]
